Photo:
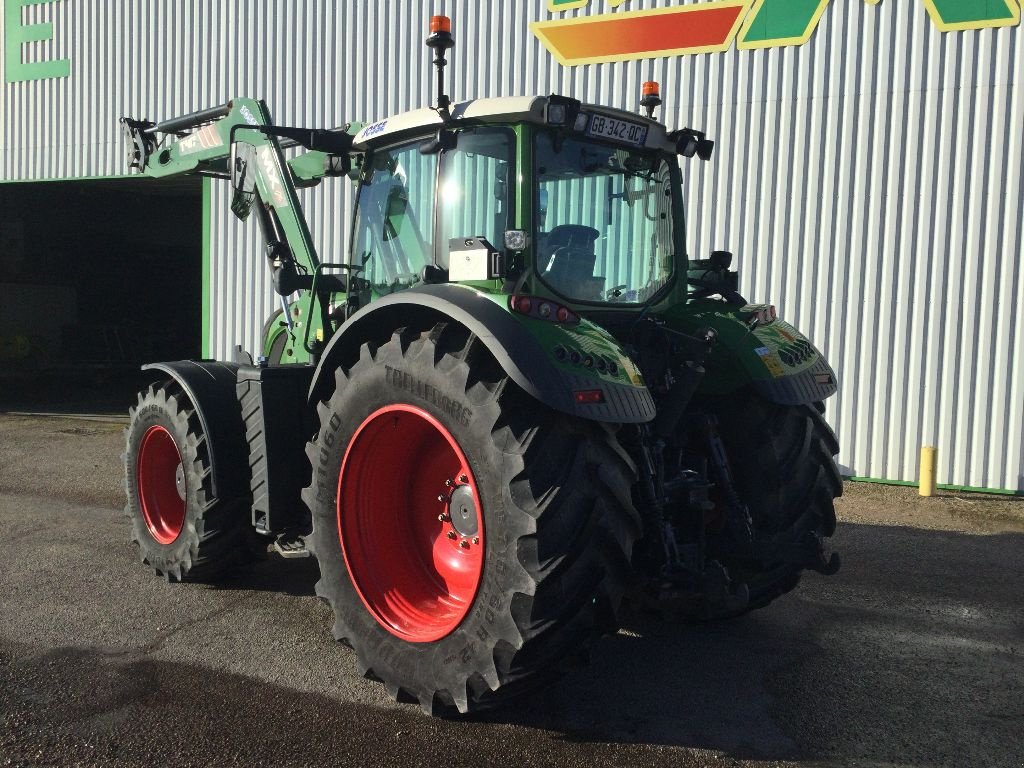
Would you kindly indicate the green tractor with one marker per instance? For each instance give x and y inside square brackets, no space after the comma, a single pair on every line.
[517,402]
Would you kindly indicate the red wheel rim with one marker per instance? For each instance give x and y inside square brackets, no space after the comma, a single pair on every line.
[402,477]
[160,479]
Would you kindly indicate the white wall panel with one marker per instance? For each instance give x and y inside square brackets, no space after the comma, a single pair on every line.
[869,182]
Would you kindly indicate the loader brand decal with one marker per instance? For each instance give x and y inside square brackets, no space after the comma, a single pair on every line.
[402,380]
[371,130]
[17,35]
[205,138]
[713,26]
[248,115]
[268,164]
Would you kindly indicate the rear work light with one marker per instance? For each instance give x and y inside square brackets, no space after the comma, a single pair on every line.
[542,309]
[761,315]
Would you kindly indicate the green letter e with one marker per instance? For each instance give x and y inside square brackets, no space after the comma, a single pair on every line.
[17,34]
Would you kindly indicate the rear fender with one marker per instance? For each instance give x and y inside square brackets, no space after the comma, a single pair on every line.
[773,358]
[524,347]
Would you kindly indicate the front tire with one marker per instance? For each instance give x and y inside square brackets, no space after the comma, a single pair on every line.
[530,566]
[183,531]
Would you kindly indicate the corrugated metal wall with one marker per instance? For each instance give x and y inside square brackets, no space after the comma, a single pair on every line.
[870,181]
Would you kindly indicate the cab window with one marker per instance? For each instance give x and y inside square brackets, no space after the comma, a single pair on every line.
[476,188]
[394,224]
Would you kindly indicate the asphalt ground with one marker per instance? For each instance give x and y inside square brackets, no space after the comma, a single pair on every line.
[911,655]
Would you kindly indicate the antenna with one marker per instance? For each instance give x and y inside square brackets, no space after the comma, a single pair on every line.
[441,40]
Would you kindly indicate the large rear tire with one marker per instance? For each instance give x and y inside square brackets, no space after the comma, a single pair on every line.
[182,530]
[781,458]
[470,540]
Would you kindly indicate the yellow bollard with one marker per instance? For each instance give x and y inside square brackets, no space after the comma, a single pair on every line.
[928,460]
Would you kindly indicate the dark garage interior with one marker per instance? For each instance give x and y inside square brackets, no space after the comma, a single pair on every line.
[96,278]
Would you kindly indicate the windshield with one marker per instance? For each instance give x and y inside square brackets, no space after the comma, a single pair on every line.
[604,229]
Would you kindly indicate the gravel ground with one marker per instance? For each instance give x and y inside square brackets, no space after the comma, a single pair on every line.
[911,655]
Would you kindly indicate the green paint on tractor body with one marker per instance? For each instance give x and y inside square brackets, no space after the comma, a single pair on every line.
[599,213]
[746,351]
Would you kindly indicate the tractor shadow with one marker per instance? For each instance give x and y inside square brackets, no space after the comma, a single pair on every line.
[295,576]
[910,652]
[660,683]
[909,655]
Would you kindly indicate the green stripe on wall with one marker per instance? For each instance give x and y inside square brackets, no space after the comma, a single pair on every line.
[940,486]
[71,178]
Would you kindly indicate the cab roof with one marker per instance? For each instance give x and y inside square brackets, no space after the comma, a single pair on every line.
[509,109]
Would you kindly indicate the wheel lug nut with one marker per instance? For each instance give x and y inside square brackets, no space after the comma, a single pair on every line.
[442,498]
[444,517]
[452,534]
[464,544]
[463,478]
[449,482]
[476,539]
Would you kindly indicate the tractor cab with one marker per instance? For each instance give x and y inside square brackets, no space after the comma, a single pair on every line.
[578,203]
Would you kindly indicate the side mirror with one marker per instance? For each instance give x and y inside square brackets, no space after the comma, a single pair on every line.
[337,165]
[705,148]
[243,179]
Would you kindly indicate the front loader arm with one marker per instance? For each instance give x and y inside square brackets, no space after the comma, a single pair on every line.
[202,143]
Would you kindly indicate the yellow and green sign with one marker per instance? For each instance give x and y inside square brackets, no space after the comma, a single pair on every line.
[716,25]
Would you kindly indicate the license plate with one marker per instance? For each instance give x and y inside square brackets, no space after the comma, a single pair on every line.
[604,127]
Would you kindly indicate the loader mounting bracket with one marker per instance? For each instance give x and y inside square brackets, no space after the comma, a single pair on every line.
[139,143]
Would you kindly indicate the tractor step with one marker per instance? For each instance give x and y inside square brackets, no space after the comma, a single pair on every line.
[291,544]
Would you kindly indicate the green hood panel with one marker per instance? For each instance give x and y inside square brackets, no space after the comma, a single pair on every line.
[774,357]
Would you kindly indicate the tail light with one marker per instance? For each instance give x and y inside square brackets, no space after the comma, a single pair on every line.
[588,396]
[542,309]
